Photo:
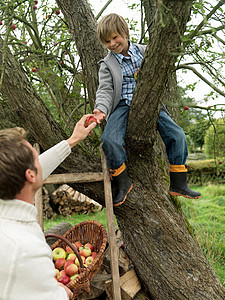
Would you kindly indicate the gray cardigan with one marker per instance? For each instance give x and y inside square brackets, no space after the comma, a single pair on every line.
[110,83]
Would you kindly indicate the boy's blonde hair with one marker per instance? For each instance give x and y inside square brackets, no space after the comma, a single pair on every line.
[110,24]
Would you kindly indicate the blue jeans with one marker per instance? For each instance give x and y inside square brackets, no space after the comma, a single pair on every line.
[113,137]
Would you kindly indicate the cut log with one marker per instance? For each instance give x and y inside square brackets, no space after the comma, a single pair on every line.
[129,284]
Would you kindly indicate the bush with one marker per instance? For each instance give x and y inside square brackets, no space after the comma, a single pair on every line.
[214,145]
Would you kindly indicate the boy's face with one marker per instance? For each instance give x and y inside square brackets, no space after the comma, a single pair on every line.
[117,44]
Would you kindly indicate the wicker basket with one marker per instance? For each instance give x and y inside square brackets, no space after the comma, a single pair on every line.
[84,232]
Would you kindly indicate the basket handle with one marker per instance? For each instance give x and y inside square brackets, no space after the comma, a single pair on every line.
[69,244]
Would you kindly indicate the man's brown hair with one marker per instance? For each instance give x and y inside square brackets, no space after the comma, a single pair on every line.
[110,24]
[15,158]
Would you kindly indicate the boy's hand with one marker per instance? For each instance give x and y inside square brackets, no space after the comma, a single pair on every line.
[99,115]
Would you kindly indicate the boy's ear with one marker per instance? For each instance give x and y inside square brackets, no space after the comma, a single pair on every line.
[30,175]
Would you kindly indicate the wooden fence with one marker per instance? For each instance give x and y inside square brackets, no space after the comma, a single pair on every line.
[205,177]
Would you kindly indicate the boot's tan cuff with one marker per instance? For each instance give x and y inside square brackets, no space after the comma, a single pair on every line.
[118,171]
[178,168]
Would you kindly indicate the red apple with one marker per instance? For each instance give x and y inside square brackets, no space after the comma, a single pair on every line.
[89,260]
[68,249]
[35,1]
[34,70]
[25,42]
[186,108]
[61,274]
[71,256]
[65,53]
[71,270]
[90,120]
[57,12]
[61,62]
[88,245]
[59,263]
[122,245]
[94,254]
[34,7]
[13,26]
[64,279]
[220,162]
[67,263]
[77,245]
[58,252]
[1,22]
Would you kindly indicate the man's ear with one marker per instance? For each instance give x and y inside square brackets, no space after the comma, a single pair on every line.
[30,175]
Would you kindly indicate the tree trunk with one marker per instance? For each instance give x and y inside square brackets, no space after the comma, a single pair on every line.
[156,235]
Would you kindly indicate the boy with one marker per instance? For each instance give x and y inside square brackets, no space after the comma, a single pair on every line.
[113,99]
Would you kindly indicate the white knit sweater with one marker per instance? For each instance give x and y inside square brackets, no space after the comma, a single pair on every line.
[26,267]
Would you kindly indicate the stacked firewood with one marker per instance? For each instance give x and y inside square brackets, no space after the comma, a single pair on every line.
[66,201]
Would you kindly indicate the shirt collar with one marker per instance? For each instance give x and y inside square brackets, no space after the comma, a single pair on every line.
[131,51]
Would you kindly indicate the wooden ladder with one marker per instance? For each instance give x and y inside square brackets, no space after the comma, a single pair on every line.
[90,177]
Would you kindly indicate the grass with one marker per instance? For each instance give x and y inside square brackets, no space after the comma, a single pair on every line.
[206,216]
[73,220]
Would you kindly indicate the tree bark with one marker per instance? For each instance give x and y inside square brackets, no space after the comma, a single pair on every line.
[157,237]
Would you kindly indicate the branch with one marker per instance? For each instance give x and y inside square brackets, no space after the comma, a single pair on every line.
[202,78]
[197,29]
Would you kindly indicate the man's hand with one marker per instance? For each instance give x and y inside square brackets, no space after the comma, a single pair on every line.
[80,131]
[68,291]
[99,115]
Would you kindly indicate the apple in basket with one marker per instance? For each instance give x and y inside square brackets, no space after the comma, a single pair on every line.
[69,250]
[89,260]
[64,279]
[94,254]
[58,252]
[71,270]
[68,262]
[85,252]
[88,245]
[77,260]
[77,245]
[73,277]
[71,256]
[59,263]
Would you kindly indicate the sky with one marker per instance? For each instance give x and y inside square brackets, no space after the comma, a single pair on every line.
[120,7]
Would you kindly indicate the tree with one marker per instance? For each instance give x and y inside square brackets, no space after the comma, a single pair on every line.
[214,140]
[156,235]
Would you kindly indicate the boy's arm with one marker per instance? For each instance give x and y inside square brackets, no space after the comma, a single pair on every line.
[105,92]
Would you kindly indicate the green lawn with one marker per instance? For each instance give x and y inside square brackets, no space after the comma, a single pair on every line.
[206,215]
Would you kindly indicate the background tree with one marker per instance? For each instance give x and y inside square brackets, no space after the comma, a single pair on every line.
[165,255]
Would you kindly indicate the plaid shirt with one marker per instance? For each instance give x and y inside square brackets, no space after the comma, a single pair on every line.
[129,65]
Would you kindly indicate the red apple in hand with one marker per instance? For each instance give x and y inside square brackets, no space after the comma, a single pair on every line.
[90,120]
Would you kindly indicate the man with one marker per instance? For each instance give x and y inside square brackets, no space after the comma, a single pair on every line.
[26,266]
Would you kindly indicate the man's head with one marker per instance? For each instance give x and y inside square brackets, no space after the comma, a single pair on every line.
[111,24]
[16,157]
